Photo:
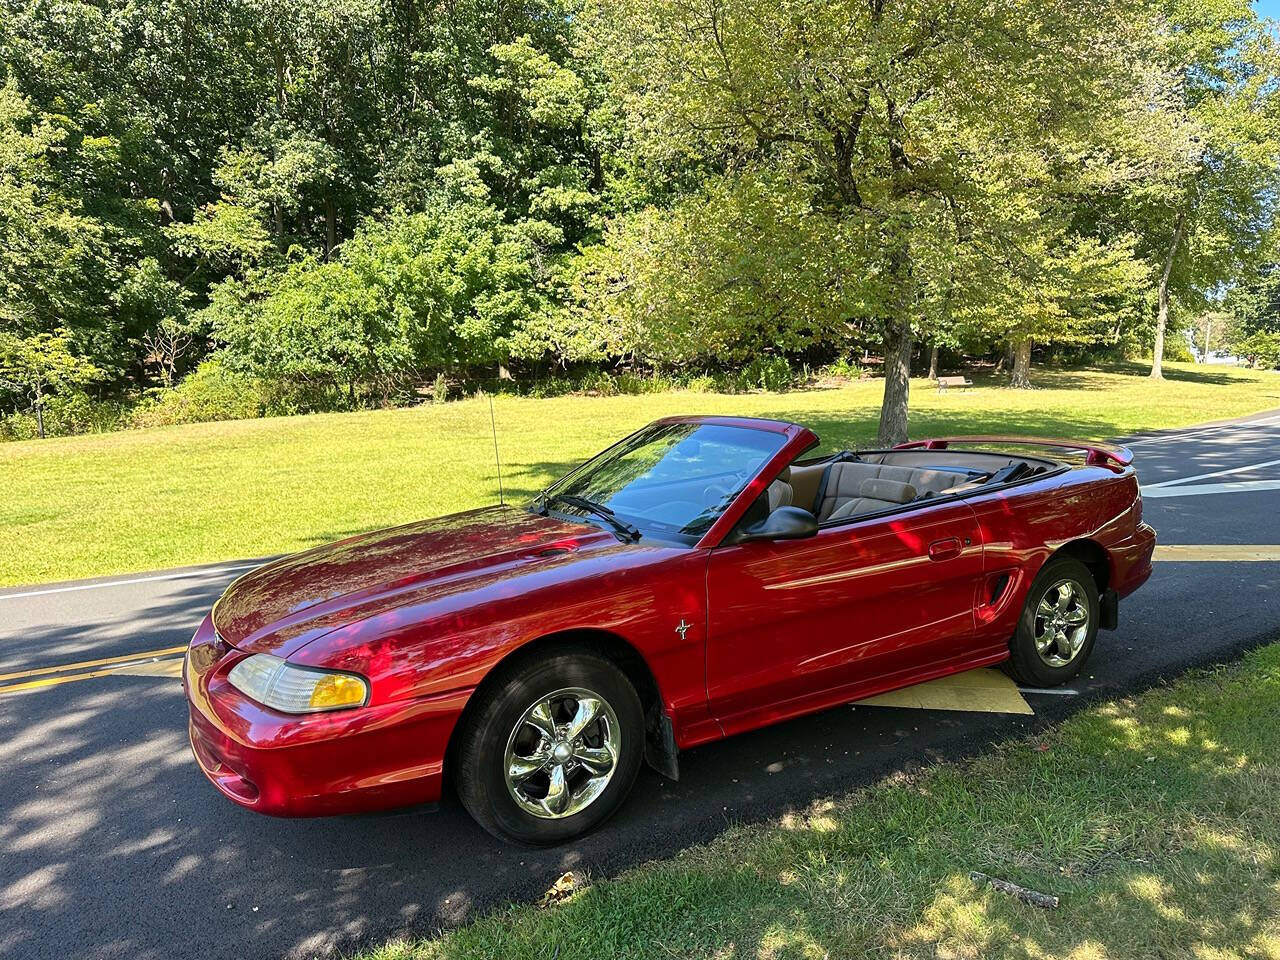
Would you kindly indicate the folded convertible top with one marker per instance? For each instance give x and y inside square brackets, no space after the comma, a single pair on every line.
[1096,454]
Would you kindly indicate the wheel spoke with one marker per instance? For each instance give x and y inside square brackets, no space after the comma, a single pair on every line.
[1077,616]
[557,797]
[1065,595]
[597,760]
[1064,646]
[521,768]
[588,708]
[540,718]
[1046,609]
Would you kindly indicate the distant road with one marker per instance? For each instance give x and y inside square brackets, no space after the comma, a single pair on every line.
[113,845]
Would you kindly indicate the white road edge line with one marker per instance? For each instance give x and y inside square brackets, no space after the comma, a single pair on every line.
[1205,476]
[193,574]
[1203,431]
[1202,489]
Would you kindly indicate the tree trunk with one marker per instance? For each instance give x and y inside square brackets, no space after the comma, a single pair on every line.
[330,227]
[897,383]
[1005,362]
[277,56]
[40,416]
[933,362]
[1021,376]
[1208,332]
[1162,311]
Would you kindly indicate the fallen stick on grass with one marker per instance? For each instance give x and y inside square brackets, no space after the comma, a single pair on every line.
[1033,897]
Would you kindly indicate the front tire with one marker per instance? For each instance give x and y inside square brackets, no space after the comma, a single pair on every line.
[1058,626]
[551,750]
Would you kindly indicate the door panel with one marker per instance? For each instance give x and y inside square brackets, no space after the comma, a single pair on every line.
[794,620]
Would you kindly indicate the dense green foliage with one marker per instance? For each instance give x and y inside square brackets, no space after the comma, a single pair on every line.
[347,201]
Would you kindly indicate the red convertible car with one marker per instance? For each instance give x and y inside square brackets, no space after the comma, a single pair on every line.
[698,579]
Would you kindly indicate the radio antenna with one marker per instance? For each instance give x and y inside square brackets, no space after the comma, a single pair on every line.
[493,423]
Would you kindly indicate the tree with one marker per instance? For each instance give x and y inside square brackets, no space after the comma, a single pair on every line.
[1261,348]
[1063,289]
[157,306]
[55,267]
[41,365]
[1251,310]
[744,269]
[1211,220]
[417,292]
[901,123]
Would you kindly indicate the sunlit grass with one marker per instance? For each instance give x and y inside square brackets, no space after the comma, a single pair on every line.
[1159,845]
[146,499]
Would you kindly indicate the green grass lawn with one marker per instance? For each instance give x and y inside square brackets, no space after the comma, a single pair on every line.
[146,499]
[1153,820]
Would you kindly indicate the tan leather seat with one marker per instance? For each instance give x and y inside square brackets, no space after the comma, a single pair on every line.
[843,480]
[875,495]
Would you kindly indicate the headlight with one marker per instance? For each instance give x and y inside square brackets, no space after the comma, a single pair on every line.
[288,688]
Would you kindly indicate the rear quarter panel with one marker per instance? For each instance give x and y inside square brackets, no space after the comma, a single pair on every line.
[1022,527]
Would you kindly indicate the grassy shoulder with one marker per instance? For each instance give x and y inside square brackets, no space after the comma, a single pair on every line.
[146,499]
[1153,819]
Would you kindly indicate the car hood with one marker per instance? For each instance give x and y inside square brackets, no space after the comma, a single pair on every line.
[286,604]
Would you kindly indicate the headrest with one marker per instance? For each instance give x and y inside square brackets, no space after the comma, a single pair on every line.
[780,494]
[891,490]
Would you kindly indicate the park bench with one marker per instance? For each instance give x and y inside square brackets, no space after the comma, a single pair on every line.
[945,382]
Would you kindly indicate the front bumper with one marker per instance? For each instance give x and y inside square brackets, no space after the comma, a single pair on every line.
[351,761]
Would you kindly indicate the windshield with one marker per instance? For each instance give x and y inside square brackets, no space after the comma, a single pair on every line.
[669,478]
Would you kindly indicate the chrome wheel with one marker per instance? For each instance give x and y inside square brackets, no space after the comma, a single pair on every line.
[1062,623]
[562,753]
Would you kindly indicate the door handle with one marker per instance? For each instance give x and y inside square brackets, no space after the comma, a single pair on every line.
[944,549]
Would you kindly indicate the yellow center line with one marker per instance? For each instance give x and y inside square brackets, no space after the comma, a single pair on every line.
[1216,552]
[83,664]
[53,681]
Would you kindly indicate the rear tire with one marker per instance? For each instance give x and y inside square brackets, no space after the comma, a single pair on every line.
[1058,626]
[526,774]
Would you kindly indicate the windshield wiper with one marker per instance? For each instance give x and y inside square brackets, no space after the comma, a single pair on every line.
[624,530]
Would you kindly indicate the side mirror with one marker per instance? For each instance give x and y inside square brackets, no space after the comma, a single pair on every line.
[785,523]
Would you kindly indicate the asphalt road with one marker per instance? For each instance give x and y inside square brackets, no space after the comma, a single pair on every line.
[113,845]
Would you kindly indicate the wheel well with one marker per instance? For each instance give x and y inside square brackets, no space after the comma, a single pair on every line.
[1093,556]
[608,645]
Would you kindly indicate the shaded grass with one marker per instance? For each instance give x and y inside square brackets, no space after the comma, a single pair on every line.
[145,499]
[1153,819]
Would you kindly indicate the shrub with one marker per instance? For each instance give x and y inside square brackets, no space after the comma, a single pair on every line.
[843,368]
[634,383]
[211,392]
[551,387]
[1177,348]
[702,383]
[64,415]
[762,373]
[440,389]
[599,382]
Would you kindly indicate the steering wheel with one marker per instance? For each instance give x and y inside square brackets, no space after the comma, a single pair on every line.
[717,491]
